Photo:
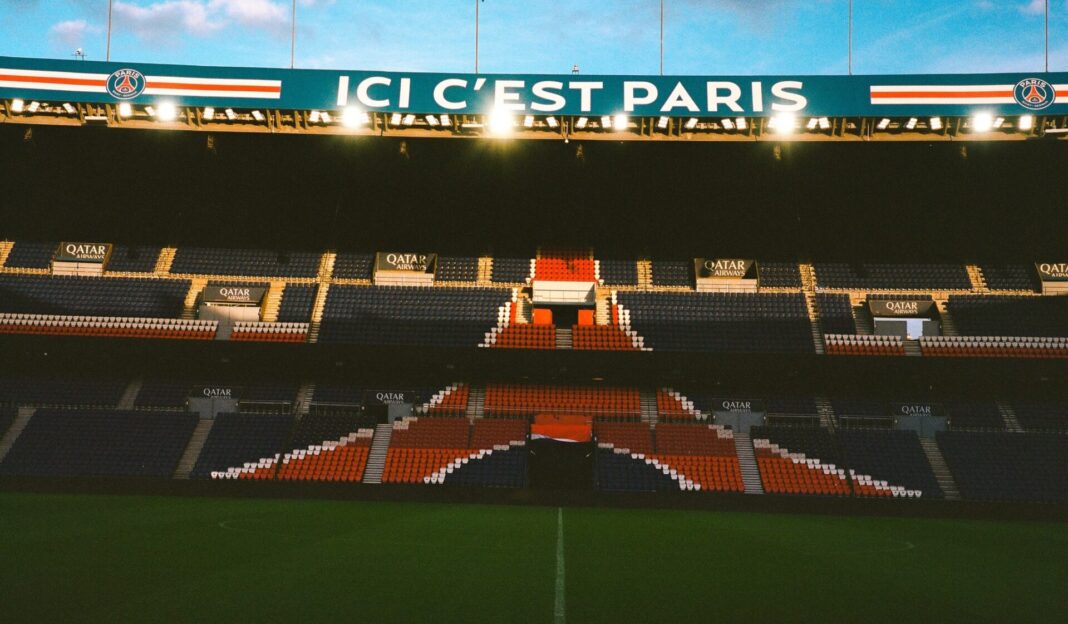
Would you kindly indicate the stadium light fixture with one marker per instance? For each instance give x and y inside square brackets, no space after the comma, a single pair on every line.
[691,123]
[825,123]
[528,121]
[911,123]
[998,122]
[395,119]
[208,114]
[32,108]
[408,120]
[741,123]
[315,116]
[812,123]
[501,122]
[151,110]
[230,114]
[552,121]
[883,124]
[982,122]
[352,117]
[1026,122]
[606,121]
[257,115]
[727,123]
[580,123]
[783,123]
[936,123]
[67,107]
[167,112]
[662,123]
[620,122]
[445,121]
[125,110]
[17,106]
[326,117]
[432,121]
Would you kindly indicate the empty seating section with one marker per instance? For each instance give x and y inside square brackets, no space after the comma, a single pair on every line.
[619,272]
[526,336]
[240,439]
[421,446]
[632,436]
[65,391]
[134,259]
[747,322]
[7,416]
[792,406]
[704,454]
[30,255]
[1007,466]
[431,316]
[99,443]
[297,303]
[671,406]
[1006,315]
[327,447]
[457,269]
[510,270]
[974,415]
[672,273]
[354,266]
[860,408]
[799,461]
[848,344]
[269,332]
[937,277]
[452,401]
[92,296]
[600,338]
[489,432]
[1029,347]
[565,267]
[163,394]
[258,262]
[107,326]
[500,467]
[600,402]
[1009,277]
[1041,416]
[779,275]
[895,457]
[620,471]
[836,313]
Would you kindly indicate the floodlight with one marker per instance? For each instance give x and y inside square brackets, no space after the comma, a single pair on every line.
[982,122]
[662,123]
[812,123]
[691,123]
[432,121]
[67,107]
[501,122]
[936,123]
[208,114]
[257,115]
[727,123]
[825,124]
[911,123]
[230,114]
[167,112]
[1026,121]
[741,123]
[783,123]
[445,121]
[552,122]
[606,121]
[17,105]
[351,117]
[33,107]
[395,119]
[409,119]
[883,124]
[125,110]
[620,122]
[314,116]
[580,123]
[528,121]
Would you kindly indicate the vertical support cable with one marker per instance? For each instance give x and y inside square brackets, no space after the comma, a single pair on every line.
[661,37]
[107,57]
[476,35]
[293,37]
[850,37]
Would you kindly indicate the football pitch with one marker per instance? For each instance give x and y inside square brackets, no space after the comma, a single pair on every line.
[164,559]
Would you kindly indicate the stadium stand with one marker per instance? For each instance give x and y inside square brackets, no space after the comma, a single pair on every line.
[31,255]
[799,461]
[1009,277]
[703,454]
[607,403]
[744,322]
[778,275]
[836,314]
[244,262]
[354,266]
[618,272]
[7,416]
[848,344]
[672,273]
[894,457]
[1001,315]
[1041,416]
[601,338]
[974,415]
[563,266]
[617,470]
[239,441]
[510,270]
[99,443]
[1007,466]
[936,277]
[526,336]
[91,296]
[133,258]
[60,391]
[994,347]
[328,447]
[457,269]
[389,315]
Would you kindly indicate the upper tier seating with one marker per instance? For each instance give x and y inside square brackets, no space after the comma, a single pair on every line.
[892,276]
[1007,466]
[92,296]
[99,443]
[993,315]
[510,270]
[260,262]
[74,392]
[779,275]
[236,439]
[1009,277]
[894,456]
[672,273]
[297,303]
[836,313]
[565,267]
[1041,416]
[601,402]
[457,270]
[974,415]
[748,322]
[859,408]
[386,315]
[29,255]
[137,258]
[354,266]
[619,272]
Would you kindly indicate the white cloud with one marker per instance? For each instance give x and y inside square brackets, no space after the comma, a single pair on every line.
[1034,7]
[253,13]
[168,21]
[71,33]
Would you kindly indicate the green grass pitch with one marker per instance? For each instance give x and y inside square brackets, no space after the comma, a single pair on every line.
[159,559]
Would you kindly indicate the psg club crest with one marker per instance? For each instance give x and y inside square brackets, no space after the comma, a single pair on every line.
[1034,93]
[126,84]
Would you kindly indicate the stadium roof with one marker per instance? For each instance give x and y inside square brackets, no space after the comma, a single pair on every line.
[689,108]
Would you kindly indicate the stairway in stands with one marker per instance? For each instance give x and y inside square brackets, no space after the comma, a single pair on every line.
[129,396]
[564,338]
[305,394]
[164,261]
[5,251]
[941,471]
[317,312]
[376,459]
[13,432]
[826,412]
[274,301]
[808,287]
[1008,416]
[476,402]
[975,275]
[747,464]
[949,327]
[650,410]
[862,319]
[189,308]
[193,449]
[912,348]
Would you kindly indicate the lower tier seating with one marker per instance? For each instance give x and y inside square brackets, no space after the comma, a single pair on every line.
[61,391]
[1007,466]
[599,402]
[526,336]
[249,331]
[93,296]
[895,457]
[504,466]
[451,450]
[799,461]
[974,415]
[601,338]
[994,347]
[1041,416]
[841,344]
[107,326]
[240,439]
[994,315]
[617,470]
[692,457]
[340,459]
[99,443]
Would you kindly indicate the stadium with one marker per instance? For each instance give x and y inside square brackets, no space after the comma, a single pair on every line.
[408,346]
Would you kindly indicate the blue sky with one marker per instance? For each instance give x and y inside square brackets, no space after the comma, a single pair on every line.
[549,36]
